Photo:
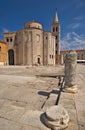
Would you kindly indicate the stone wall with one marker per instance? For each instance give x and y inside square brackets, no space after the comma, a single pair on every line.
[32,46]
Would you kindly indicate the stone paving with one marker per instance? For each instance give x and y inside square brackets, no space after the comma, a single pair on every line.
[26,92]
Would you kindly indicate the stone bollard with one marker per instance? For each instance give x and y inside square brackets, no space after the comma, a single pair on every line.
[56,118]
[70,72]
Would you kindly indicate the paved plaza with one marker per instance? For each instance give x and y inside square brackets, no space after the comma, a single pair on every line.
[26,92]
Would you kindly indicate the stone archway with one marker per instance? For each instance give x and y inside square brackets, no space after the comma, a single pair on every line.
[11,57]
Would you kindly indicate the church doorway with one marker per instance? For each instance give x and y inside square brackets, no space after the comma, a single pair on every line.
[38,60]
[11,57]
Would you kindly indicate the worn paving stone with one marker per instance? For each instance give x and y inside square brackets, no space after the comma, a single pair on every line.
[81,111]
[11,112]
[29,128]
[23,95]
[8,125]
[33,118]
[67,103]
[31,94]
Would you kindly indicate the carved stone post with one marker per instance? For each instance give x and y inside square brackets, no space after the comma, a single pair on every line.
[70,72]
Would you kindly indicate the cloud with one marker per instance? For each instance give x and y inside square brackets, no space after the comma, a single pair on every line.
[74,25]
[73,41]
[5,30]
[78,18]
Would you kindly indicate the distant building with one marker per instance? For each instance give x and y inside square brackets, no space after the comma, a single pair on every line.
[80,54]
[32,45]
[3,53]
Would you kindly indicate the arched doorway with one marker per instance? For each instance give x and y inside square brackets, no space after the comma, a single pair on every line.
[11,57]
[38,60]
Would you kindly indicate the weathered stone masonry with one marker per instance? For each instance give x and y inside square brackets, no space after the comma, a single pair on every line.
[31,45]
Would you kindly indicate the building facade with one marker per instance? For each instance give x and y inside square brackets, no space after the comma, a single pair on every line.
[32,45]
[3,53]
[80,54]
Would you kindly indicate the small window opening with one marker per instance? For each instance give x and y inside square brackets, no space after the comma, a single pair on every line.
[52,56]
[7,39]
[0,48]
[53,29]
[46,37]
[56,29]
[56,52]
[11,39]
[56,37]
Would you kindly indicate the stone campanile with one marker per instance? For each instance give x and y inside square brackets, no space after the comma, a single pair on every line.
[56,32]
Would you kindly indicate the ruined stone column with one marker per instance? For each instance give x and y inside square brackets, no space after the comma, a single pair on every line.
[56,118]
[70,72]
[62,59]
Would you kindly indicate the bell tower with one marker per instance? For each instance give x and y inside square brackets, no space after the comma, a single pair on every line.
[55,29]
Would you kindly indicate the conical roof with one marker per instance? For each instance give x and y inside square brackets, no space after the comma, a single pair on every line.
[55,20]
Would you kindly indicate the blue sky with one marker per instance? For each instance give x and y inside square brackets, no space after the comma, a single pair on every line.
[14,13]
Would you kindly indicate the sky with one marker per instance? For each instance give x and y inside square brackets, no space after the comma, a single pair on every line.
[71,14]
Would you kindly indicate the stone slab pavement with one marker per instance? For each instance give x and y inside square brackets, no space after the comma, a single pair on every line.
[24,97]
[23,92]
[75,103]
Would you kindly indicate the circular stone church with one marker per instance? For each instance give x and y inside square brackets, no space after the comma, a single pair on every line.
[32,45]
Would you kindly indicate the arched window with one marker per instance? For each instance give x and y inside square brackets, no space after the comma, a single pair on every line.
[7,39]
[11,39]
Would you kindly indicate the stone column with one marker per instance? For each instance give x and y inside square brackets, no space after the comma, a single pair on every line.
[62,62]
[56,118]
[70,72]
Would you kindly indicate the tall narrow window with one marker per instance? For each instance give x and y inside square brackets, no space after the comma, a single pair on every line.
[50,56]
[56,37]
[7,39]
[38,37]
[53,29]
[56,29]
[0,48]
[11,39]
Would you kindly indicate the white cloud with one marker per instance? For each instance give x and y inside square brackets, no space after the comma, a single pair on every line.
[78,18]
[5,30]
[74,41]
[74,25]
